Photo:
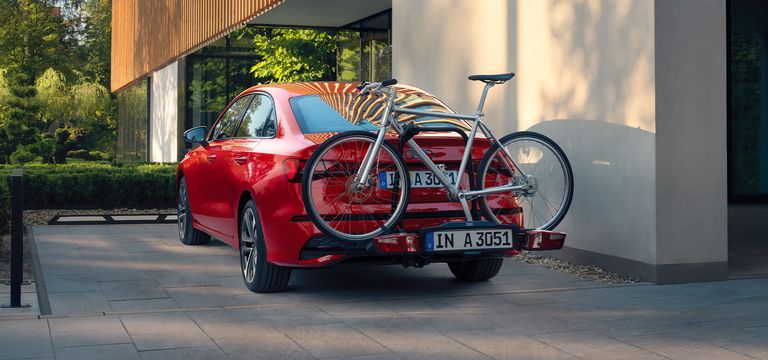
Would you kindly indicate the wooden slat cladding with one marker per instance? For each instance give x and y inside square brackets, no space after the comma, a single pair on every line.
[149,34]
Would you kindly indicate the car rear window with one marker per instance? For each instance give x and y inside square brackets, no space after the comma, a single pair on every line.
[338,112]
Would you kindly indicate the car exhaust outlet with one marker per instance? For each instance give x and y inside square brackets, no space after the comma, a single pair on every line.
[396,243]
[538,240]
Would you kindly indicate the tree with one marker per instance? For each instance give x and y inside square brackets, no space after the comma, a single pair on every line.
[291,55]
[32,38]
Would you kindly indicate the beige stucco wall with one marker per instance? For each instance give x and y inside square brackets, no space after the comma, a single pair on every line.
[164,110]
[585,77]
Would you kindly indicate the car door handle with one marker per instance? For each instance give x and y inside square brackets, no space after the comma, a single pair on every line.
[212,158]
[241,159]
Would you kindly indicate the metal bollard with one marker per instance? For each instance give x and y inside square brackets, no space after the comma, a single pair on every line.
[17,235]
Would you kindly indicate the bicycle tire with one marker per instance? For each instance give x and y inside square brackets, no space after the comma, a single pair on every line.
[312,195]
[561,167]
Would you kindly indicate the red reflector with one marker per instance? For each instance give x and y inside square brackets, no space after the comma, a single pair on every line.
[544,240]
[292,168]
[396,243]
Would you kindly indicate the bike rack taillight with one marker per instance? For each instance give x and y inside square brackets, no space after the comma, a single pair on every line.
[543,240]
[397,243]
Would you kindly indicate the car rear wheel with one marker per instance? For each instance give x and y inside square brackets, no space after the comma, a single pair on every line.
[476,270]
[258,274]
[187,234]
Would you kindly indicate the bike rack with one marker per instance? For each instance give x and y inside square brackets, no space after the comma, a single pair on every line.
[411,130]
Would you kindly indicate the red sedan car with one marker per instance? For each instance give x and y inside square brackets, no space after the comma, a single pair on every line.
[242,185]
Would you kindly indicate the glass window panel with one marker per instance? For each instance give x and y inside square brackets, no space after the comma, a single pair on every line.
[748,108]
[227,125]
[132,105]
[258,120]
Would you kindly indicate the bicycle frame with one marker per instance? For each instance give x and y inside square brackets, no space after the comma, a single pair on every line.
[455,192]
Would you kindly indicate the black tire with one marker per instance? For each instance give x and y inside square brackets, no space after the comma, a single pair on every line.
[563,198]
[476,270]
[261,276]
[400,201]
[187,234]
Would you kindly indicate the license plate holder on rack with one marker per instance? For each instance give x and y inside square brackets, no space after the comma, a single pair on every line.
[471,236]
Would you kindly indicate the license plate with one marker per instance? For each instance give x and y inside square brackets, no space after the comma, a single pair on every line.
[419,179]
[475,239]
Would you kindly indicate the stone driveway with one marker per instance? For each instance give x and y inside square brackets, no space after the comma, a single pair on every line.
[134,292]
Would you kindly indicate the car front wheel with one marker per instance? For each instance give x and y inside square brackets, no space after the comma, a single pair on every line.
[476,270]
[259,275]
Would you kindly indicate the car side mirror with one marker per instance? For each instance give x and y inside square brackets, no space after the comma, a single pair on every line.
[195,135]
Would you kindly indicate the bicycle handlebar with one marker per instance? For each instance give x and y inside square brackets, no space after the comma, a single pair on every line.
[367,87]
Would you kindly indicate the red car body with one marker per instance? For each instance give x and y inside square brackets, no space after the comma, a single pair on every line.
[222,176]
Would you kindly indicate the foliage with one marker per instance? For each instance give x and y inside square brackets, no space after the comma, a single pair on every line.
[89,155]
[292,55]
[19,124]
[5,205]
[33,38]
[22,155]
[54,74]
[94,185]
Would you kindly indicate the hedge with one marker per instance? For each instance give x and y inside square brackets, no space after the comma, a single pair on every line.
[5,206]
[94,185]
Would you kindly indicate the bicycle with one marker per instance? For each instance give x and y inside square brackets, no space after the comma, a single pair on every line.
[517,169]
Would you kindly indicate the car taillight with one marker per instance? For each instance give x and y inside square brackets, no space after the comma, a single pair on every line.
[292,168]
[396,243]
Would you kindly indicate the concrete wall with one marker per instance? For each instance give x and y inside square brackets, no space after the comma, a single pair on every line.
[164,114]
[691,152]
[587,81]
[436,44]
[634,92]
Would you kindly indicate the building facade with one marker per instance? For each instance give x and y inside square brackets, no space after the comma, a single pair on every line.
[660,106]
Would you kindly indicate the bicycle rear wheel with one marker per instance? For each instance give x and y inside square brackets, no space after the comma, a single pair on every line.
[333,203]
[544,205]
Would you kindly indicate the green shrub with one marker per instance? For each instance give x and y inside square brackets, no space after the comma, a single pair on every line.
[97,185]
[5,207]
[22,155]
[89,155]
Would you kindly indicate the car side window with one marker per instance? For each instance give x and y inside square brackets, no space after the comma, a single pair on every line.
[259,119]
[227,125]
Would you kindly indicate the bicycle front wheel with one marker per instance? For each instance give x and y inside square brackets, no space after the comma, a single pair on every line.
[546,170]
[334,203]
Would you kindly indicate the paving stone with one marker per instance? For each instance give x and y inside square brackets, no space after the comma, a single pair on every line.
[85,323]
[500,344]
[331,340]
[296,315]
[111,352]
[159,323]
[90,337]
[251,338]
[443,350]
[392,329]
[681,347]
[204,296]
[142,305]
[132,290]
[592,345]
[193,353]
[78,303]
[192,337]
[71,283]
[21,330]
[26,349]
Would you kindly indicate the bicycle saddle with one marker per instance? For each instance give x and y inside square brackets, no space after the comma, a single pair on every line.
[498,78]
